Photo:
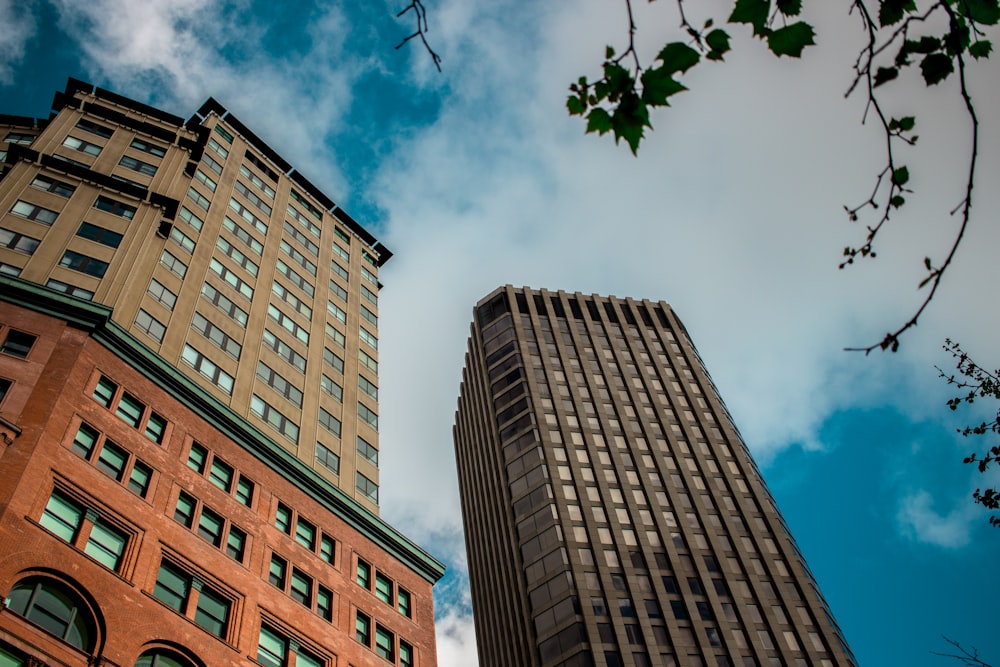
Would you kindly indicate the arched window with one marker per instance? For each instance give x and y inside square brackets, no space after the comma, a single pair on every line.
[56,609]
[161,657]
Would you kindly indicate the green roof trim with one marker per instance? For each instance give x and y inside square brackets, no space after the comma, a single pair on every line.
[96,319]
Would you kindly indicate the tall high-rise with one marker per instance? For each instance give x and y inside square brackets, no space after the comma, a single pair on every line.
[187,335]
[214,252]
[613,514]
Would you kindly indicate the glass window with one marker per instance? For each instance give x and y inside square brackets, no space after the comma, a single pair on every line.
[104,392]
[138,481]
[84,264]
[53,185]
[327,548]
[115,207]
[212,612]
[150,326]
[18,242]
[56,609]
[210,527]
[85,440]
[272,648]
[328,457]
[184,510]
[161,294]
[244,491]
[283,518]
[364,574]
[197,458]
[385,643]
[236,543]
[111,461]
[329,422]
[162,658]
[17,343]
[403,602]
[366,487]
[62,516]
[276,571]
[33,212]
[95,128]
[305,534]
[147,147]
[82,146]
[99,235]
[156,428]
[383,588]
[221,474]
[106,544]
[132,163]
[172,587]
[405,654]
[363,629]
[367,451]
[130,410]
[301,588]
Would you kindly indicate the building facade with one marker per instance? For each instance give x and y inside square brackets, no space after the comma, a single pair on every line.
[214,252]
[613,514]
[172,389]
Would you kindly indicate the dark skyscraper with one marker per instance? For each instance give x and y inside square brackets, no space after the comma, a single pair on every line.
[613,514]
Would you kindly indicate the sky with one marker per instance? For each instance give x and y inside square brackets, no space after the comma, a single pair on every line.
[733,212]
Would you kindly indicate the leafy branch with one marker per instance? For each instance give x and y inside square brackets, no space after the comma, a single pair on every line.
[621,100]
[420,31]
[938,56]
[976,382]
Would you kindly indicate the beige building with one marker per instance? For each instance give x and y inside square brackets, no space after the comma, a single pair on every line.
[213,252]
[613,514]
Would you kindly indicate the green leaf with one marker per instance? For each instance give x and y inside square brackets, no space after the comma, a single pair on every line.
[790,40]
[718,42]
[575,105]
[678,57]
[891,11]
[618,80]
[900,176]
[904,124]
[897,201]
[753,12]
[936,67]
[629,120]
[885,74]
[981,49]
[927,44]
[790,7]
[986,12]
[609,52]
[598,120]
[658,85]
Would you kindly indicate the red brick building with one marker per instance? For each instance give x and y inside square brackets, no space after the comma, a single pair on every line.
[144,522]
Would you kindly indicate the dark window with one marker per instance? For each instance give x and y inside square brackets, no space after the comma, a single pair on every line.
[17,343]
[115,207]
[56,609]
[99,235]
[94,128]
[84,264]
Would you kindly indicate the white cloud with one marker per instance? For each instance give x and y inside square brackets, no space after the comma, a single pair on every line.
[17,26]
[918,519]
[456,640]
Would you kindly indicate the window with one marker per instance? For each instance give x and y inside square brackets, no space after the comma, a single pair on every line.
[150,326]
[327,549]
[162,658]
[197,458]
[19,138]
[82,146]
[248,215]
[209,162]
[369,295]
[183,240]
[243,235]
[236,544]
[369,338]
[161,294]
[339,291]
[405,654]
[221,131]
[368,257]
[333,333]
[208,368]
[302,239]
[130,409]
[237,255]
[368,416]
[332,388]
[253,197]
[99,235]
[368,361]
[283,518]
[94,128]
[104,392]
[132,163]
[5,386]
[231,279]
[364,574]
[115,207]
[210,526]
[383,588]
[341,253]
[190,597]
[304,221]
[385,643]
[342,235]
[369,276]
[199,199]
[55,608]
[337,311]
[291,299]
[366,487]
[138,481]
[300,589]
[147,147]
[277,650]
[9,269]
[403,602]
[274,418]
[174,265]
[298,257]
[288,323]
[296,279]
[219,338]
[18,242]
[300,198]
[221,474]
[257,181]
[203,178]
[305,534]
[33,212]
[369,315]
[54,186]
[283,350]
[367,387]
[363,629]
[331,358]
[223,303]
[72,290]
[84,264]
[17,343]
[64,517]
[340,271]
[329,422]
[324,602]
[367,451]
[328,458]
[187,216]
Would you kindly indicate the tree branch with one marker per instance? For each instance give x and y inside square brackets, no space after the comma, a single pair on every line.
[417,7]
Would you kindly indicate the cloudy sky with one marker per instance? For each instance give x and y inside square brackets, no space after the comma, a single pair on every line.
[733,213]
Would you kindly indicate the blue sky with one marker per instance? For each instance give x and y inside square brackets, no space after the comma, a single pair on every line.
[475,177]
